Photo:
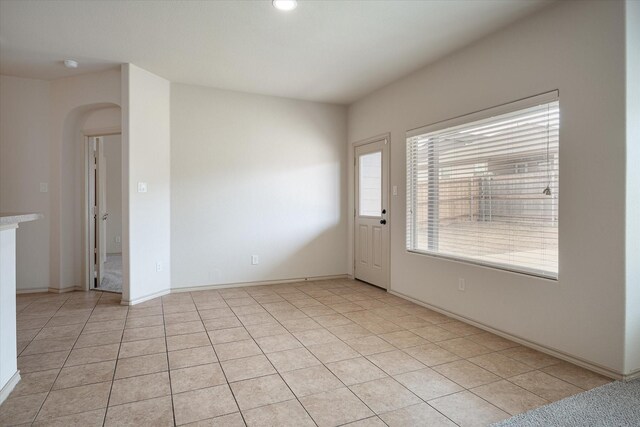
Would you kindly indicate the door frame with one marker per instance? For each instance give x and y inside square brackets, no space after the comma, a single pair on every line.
[386,137]
[86,208]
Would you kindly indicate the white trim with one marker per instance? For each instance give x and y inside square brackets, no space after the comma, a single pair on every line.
[9,386]
[541,348]
[86,217]
[65,290]
[509,107]
[381,137]
[50,290]
[8,226]
[145,298]
[31,291]
[631,376]
[114,130]
[258,283]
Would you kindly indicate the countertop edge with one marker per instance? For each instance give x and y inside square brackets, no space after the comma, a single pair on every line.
[16,218]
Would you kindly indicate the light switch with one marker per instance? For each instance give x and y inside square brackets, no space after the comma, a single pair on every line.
[142,187]
[118,240]
[44,187]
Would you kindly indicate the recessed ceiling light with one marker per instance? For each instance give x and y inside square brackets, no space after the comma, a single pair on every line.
[70,63]
[285,5]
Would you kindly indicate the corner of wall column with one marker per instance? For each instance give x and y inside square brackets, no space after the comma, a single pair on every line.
[632,196]
[124,109]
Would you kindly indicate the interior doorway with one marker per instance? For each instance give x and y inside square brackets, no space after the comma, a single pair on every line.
[371,215]
[105,212]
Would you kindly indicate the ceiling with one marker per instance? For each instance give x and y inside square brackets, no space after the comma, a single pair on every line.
[329,51]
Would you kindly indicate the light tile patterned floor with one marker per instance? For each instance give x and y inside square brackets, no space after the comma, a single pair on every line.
[321,353]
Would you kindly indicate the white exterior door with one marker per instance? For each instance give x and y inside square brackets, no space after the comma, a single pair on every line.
[371,262]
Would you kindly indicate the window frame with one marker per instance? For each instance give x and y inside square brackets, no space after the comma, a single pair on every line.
[521,104]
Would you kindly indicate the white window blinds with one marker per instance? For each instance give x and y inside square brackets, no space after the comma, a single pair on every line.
[485,189]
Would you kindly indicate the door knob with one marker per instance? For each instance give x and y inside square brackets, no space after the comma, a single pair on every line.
[104,217]
[383,221]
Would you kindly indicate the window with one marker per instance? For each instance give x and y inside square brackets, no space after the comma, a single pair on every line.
[484,188]
[370,184]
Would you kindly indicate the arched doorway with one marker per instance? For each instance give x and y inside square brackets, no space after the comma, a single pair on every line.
[82,127]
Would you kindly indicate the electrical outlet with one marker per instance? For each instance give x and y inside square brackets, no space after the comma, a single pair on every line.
[461,284]
[255,260]
[142,187]
[158,267]
[44,187]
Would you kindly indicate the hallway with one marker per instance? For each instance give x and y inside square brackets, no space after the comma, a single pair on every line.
[112,279]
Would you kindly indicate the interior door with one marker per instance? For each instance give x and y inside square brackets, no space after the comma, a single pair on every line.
[101,198]
[371,257]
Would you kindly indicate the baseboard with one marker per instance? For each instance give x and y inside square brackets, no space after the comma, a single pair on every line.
[631,376]
[63,290]
[9,386]
[49,289]
[31,291]
[145,298]
[536,346]
[257,283]
[197,288]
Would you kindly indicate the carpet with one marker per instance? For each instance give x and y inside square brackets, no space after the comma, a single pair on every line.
[112,277]
[614,404]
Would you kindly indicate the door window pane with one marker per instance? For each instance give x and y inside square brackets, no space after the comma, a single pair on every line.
[370,184]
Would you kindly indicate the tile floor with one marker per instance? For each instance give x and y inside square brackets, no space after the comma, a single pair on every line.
[326,353]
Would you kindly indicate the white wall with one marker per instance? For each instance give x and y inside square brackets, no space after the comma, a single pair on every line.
[113,155]
[255,175]
[41,142]
[103,120]
[576,47]
[24,164]
[146,145]
[633,186]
